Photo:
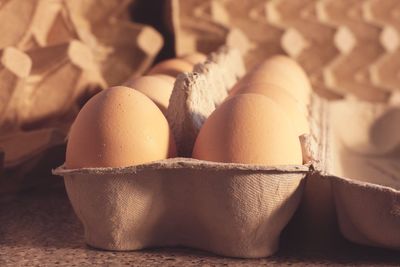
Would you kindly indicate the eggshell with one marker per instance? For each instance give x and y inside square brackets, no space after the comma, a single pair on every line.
[248,128]
[284,72]
[171,67]
[285,100]
[165,77]
[116,128]
[157,89]
[194,58]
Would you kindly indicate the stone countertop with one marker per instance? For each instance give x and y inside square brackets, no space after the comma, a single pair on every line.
[40,229]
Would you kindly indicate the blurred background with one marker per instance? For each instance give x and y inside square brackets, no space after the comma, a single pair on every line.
[55,55]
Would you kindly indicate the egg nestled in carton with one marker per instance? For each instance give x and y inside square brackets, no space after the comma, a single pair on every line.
[229,208]
[248,178]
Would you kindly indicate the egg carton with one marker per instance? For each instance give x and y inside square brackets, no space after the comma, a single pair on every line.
[235,210]
[28,155]
[346,47]
[363,169]
[51,62]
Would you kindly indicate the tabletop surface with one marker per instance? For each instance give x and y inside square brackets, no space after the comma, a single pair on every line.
[40,229]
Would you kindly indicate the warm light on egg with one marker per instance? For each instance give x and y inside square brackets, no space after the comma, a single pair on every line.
[118,127]
[248,128]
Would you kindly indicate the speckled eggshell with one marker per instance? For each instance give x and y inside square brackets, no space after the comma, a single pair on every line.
[249,128]
[284,72]
[171,67]
[118,127]
[285,100]
[156,88]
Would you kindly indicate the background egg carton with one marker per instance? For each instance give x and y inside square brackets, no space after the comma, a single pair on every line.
[345,46]
[54,55]
[64,47]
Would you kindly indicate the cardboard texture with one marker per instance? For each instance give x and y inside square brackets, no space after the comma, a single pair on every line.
[346,47]
[233,210]
[239,210]
[60,75]
[366,182]
[30,152]
[54,55]
[368,214]
[228,209]
[14,69]
[357,183]
[196,95]
[33,142]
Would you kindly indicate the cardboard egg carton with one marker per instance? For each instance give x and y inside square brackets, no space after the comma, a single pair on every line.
[191,101]
[364,171]
[189,202]
[27,153]
[184,201]
[54,55]
[346,47]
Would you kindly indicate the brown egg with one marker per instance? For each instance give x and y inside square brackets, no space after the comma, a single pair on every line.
[248,128]
[157,89]
[194,58]
[171,67]
[285,73]
[285,100]
[116,128]
[167,78]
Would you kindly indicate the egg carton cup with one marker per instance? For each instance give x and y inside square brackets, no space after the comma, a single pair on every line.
[365,186]
[355,182]
[232,210]
[368,214]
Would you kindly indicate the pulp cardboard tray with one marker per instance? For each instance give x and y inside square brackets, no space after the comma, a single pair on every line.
[365,186]
[235,210]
